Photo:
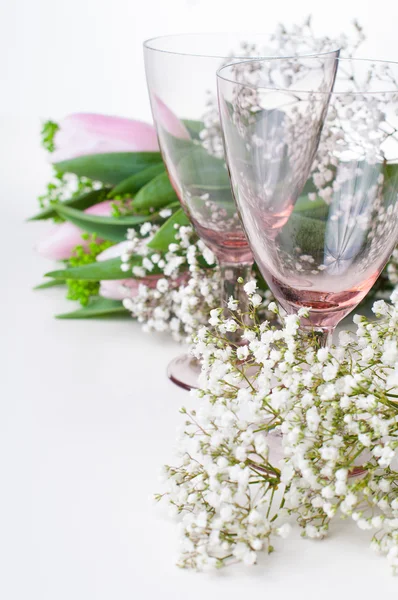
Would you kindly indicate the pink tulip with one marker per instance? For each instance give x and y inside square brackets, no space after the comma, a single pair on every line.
[113,251]
[63,238]
[169,121]
[116,289]
[85,133]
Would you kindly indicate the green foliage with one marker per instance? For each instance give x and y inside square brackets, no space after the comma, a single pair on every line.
[95,271]
[82,290]
[194,128]
[55,193]
[155,195]
[97,307]
[201,172]
[49,284]
[78,201]
[166,234]
[131,185]
[108,228]
[48,132]
[111,168]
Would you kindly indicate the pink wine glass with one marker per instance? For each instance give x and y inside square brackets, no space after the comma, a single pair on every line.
[322,248]
[182,83]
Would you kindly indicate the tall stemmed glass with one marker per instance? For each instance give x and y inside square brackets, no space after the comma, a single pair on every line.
[181,76]
[322,248]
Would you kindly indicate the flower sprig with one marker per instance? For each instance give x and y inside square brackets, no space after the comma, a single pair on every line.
[186,287]
[64,186]
[330,412]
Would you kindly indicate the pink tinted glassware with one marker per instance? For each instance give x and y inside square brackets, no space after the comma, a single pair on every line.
[320,241]
[181,77]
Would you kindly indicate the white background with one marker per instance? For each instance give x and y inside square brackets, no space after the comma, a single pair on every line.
[61,56]
[86,413]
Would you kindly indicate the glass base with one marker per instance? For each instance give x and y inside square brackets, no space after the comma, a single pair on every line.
[274,440]
[184,370]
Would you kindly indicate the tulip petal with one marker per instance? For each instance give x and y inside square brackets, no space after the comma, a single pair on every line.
[84,133]
[113,251]
[62,239]
[169,121]
[116,289]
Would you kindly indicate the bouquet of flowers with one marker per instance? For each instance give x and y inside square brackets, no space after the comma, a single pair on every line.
[124,241]
[127,247]
[284,430]
[125,244]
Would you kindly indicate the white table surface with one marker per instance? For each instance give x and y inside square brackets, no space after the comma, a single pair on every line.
[87,417]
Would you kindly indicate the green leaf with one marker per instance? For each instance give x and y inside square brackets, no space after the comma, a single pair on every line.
[391,170]
[178,147]
[304,232]
[50,284]
[96,271]
[98,307]
[110,168]
[390,186]
[304,204]
[134,183]
[107,228]
[194,127]
[156,194]
[79,202]
[166,234]
[313,209]
[308,234]
[201,172]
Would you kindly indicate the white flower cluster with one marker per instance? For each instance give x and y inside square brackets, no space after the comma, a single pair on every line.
[344,118]
[299,40]
[176,290]
[332,411]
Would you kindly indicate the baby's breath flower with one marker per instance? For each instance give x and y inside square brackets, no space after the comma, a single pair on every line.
[232,304]
[250,287]
[256,300]
[337,424]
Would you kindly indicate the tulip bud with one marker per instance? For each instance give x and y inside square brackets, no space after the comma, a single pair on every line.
[81,134]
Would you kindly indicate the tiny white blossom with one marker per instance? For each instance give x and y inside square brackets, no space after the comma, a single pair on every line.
[250,287]
[145,228]
[242,352]
[284,530]
[162,285]
[256,300]
[138,271]
[232,304]
[165,213]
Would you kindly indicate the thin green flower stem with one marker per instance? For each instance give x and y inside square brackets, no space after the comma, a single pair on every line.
[235,387]
[246,379]
[197,424]
[266,469]
[270,502]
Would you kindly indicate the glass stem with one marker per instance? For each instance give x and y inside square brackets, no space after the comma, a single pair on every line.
[323,337]
[230,273]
